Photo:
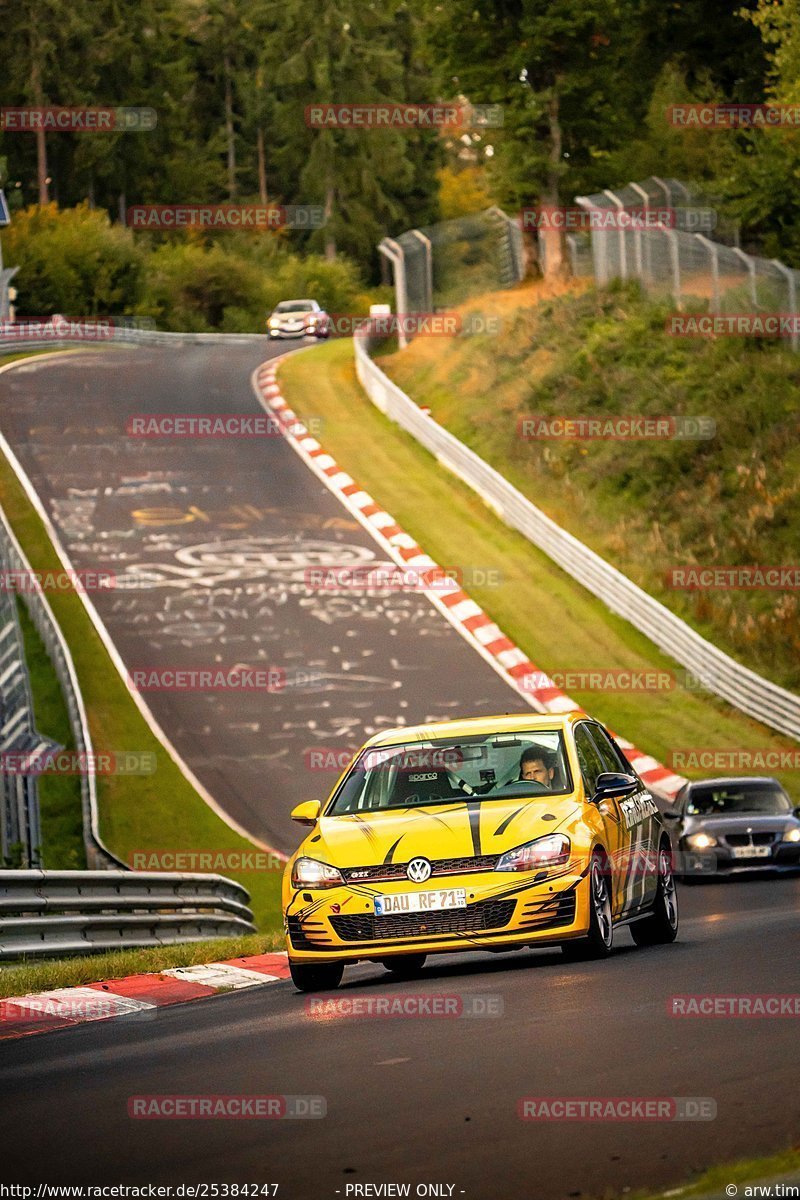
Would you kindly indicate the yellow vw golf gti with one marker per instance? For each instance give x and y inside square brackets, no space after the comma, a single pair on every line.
[491,833]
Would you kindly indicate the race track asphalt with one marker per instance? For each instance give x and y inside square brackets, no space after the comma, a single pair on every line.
[434,1099]
[209,541]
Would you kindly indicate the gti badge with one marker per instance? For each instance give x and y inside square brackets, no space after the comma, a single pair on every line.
[418,870]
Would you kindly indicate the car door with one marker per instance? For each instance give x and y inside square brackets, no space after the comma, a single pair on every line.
[638,815]
[614,832]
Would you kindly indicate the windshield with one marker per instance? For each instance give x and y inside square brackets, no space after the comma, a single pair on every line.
[480,768]
[295,306]
[739,799]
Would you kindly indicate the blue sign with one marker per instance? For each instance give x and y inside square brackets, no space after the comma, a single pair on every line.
[5,218]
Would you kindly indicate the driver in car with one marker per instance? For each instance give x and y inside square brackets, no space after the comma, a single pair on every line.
[534,767]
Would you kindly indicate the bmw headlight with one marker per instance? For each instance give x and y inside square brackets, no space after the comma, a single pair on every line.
[701,841]
[791,835]
[307,872]
[550,851]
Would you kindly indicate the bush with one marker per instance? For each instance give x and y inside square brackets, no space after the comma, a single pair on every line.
[75,262]
[72,261]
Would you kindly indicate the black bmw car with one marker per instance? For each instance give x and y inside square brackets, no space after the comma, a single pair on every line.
[727,826]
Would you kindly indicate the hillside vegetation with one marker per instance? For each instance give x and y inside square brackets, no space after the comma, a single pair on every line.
[647,505]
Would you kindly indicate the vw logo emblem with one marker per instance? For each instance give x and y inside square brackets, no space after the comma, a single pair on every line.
[418,870]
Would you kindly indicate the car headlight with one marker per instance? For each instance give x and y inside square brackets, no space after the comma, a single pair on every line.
[550,851]
[791,835]
[307,872]
[701,841]
[273,322]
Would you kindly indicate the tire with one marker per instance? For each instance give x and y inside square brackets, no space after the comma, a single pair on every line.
[316,977]
[661,927]
[405,966]
[599,941]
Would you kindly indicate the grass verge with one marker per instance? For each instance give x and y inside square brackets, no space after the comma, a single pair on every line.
[20,979]
[738,1174]
[556,621]
[60,805]
[161,811]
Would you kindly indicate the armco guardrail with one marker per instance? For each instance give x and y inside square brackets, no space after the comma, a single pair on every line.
[713,669]
[81,912]
[17,344]
[97,854]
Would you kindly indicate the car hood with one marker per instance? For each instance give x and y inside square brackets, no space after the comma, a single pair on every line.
[459,829]
[758,823]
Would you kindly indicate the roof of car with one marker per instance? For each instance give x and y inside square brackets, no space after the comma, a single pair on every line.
[507,723]
[728,780]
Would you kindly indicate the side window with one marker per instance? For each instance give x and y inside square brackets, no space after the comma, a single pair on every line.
[610,755]
[588,759]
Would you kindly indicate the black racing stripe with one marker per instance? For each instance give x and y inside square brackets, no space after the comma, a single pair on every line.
[505,824]
[474,812]
[390,854]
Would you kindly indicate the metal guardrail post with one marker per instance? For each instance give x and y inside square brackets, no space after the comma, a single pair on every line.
[428,250]
[599,243]
[623,255]
[675,261]
[791,279]
[713,251]
[750,264]
[394,252]
[666,189]
[637,240]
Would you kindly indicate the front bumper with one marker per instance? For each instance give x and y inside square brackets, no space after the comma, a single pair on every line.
[503,911]
[314,331]
[719,860]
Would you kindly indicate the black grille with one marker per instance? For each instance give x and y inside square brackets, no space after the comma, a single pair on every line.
[385,872]
[366,927]
[747,839]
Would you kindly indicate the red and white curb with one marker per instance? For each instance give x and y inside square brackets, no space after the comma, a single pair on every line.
[44,1012]
[532,684]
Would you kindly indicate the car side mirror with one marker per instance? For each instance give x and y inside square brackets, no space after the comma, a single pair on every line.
[797,811]
[307,813]
[614,783]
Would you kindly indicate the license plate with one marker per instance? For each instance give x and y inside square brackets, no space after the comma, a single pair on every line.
[404,902]
[751,851]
